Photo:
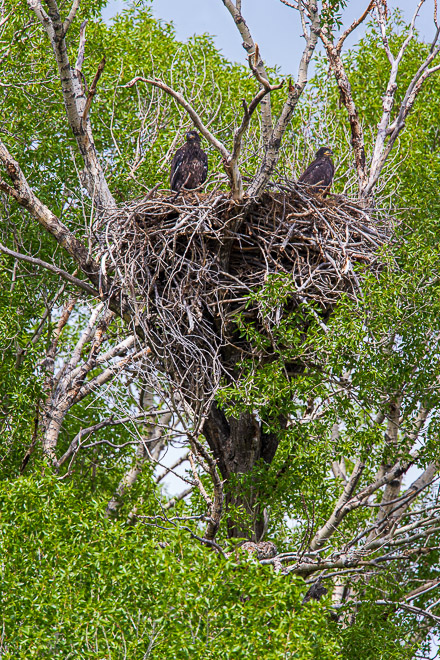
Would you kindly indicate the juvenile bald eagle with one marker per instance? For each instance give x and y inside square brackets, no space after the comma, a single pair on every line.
[319,174]
[190,164]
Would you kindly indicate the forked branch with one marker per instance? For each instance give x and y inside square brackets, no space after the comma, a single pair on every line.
[256,65]
[21,191]
[387,130]
[74,100]
[310,19]
[54,269]
[230,160]
[357,134]
[92,91]
[24,195]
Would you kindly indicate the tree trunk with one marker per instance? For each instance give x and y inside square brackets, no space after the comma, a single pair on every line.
[238,445]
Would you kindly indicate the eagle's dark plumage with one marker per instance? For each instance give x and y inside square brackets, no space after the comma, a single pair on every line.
[319,174]
[190,164]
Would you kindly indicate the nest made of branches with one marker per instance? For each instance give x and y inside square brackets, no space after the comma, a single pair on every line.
[189,265]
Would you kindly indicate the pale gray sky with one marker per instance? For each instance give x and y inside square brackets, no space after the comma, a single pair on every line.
[274,26]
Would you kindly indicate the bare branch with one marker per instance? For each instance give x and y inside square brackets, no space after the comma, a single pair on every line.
[24,195]
[382,149]
[76,442]
[353,26]
[339,511]
[189,109]
[74,102]
[357,135]
[82,46]
[143,455]
[273,145]
[54,269]
[418,485]
[71,17]
[258,68]
[22,192]
[289,4]
[85,337]
[423,589]
[408,608]
[241,130]
[106,375]
[172,467]
[92,90]
[231,166]
[173,501]
[198,482]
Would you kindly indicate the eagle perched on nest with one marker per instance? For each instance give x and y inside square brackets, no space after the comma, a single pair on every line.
[190,164]
[319,174]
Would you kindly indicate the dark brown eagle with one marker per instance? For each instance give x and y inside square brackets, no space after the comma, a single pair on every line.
[319,174]
[190,164]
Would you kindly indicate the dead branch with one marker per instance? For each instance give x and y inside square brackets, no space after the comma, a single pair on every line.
[357,135]
[148,449]
[310,11]
[172,467]
[71,17]
[353,26]
[231,166]
[256,65]
[87,432]
[241,130]
[215,506]
[387,131]
[74,99]
[177,498]
[24,195]
[92,90]
[54,269]
[81,47]
[339,511]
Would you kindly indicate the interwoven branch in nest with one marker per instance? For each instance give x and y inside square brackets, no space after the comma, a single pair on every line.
[189,265]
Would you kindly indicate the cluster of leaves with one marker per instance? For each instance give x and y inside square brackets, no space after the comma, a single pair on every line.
[74,584]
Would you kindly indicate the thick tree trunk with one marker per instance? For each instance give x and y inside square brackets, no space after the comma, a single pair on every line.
[238,445]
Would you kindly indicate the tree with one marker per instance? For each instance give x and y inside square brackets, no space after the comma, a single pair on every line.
[313,397]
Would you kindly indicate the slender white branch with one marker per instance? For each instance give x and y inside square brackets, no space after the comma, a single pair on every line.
[74,103]
[86,335]
[76,442]
[71,17]
[274,143]
[339,511]
[54,269]
[188,108]
[258,69]
[379,155]
[82,46]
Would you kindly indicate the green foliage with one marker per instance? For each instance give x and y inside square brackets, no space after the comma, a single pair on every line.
[75,585]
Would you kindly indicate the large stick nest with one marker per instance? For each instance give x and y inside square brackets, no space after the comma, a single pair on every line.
[188,266]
